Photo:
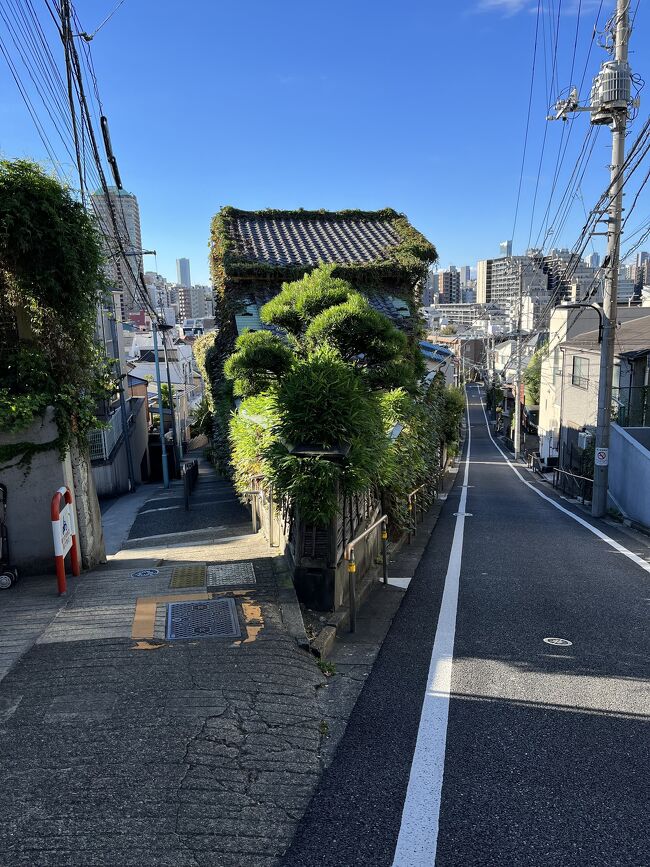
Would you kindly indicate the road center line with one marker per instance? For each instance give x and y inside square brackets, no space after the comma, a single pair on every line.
[608,539]
[418,834]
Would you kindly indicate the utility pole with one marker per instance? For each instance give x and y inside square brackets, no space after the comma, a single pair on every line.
[618,127]
[177,449]
[610,102]
[163,446]
[120,386]
[517,439]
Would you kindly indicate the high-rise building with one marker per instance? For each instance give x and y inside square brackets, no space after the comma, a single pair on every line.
[504,281]
[593,260]
[191,302]
[505,248]
[446,286]
[465,275]
[122,208]
[183,273]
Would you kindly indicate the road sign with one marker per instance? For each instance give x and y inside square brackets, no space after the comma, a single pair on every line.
[601,458]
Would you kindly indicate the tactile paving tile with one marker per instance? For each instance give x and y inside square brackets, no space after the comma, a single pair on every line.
[188,576]
[230,573]
[214,618]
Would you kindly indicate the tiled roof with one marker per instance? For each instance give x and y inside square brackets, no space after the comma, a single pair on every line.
[295,240]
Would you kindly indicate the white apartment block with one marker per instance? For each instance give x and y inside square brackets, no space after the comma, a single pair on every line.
[122,206]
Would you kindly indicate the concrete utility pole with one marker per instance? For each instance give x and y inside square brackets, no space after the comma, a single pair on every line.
[619,117]
[163,446]
[610,102]
[517,440]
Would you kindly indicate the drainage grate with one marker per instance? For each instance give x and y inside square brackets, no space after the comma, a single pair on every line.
[230,573]
[188,576]
[216,618]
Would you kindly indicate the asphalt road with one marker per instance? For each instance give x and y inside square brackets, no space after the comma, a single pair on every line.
[534,753]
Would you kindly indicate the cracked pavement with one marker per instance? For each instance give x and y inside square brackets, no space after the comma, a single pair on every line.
[120,752]
[192,753]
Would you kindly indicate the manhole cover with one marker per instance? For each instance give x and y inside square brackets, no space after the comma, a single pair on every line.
[145,573]
[230,573]
[188,576]
[216,618]
[559,642]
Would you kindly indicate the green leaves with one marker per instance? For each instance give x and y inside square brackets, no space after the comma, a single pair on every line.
[259,360]
[51,277]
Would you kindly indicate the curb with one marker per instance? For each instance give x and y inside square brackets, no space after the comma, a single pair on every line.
[288,602]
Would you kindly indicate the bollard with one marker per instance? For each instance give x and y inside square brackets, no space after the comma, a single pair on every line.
[384,556]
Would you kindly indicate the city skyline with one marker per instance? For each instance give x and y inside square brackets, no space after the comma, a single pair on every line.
[367,154]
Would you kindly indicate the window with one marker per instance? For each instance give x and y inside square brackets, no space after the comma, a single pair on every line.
[580,374]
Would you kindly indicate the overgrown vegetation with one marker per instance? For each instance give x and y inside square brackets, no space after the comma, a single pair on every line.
[345,376]
[532,377]
[51,282]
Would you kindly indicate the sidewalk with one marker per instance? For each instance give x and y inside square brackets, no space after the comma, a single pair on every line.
[125,748]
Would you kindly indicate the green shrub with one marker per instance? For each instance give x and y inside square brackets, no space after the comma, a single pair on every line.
[259,360]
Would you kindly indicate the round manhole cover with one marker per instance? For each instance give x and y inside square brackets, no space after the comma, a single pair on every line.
[145,573]
[559,642]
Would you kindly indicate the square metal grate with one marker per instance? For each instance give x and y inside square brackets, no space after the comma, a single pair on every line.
[230,573]
[214,618]
[188,576]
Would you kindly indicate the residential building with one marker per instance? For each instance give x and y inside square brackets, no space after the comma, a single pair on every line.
[268,248]
[120,274]
[183,273]
[566,327]
[447,286]
[570,278]
[629,449]
[503,282]
[192,302]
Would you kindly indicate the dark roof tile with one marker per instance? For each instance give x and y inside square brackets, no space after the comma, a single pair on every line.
[308,241]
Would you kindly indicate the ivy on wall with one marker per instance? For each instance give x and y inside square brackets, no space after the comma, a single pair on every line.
[51,283]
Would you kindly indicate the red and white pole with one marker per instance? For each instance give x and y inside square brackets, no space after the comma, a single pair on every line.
[65,537]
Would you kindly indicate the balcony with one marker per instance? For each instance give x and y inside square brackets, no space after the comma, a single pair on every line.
[103,441]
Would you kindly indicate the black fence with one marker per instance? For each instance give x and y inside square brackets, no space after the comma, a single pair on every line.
[577,487]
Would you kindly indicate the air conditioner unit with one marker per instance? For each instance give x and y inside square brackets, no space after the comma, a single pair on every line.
[584,438]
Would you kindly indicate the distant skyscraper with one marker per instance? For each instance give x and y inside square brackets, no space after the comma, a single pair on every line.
[183,273]
[465,275]
[593,260]
[505,248]
[121,275]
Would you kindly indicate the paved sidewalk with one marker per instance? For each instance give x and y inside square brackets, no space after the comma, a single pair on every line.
[124,748]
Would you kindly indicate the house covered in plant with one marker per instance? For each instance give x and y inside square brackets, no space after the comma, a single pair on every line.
[320,310]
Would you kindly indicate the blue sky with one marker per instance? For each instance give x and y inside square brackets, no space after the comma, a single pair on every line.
[420,106]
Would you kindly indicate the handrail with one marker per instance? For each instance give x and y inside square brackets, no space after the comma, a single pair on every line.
[423,485]
[349,548]
[352,566]
[573,475]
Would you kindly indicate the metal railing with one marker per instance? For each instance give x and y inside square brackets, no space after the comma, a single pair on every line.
[190,476]
[421,498]
[580,487]
[632,405]
[102,441]
[352,566]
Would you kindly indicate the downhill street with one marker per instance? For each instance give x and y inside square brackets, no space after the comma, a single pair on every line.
[523,752]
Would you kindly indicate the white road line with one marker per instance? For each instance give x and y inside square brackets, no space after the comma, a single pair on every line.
[608,539]
[418,833]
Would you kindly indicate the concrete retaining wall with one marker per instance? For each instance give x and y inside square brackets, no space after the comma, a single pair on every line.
[30,496]
[629,473]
